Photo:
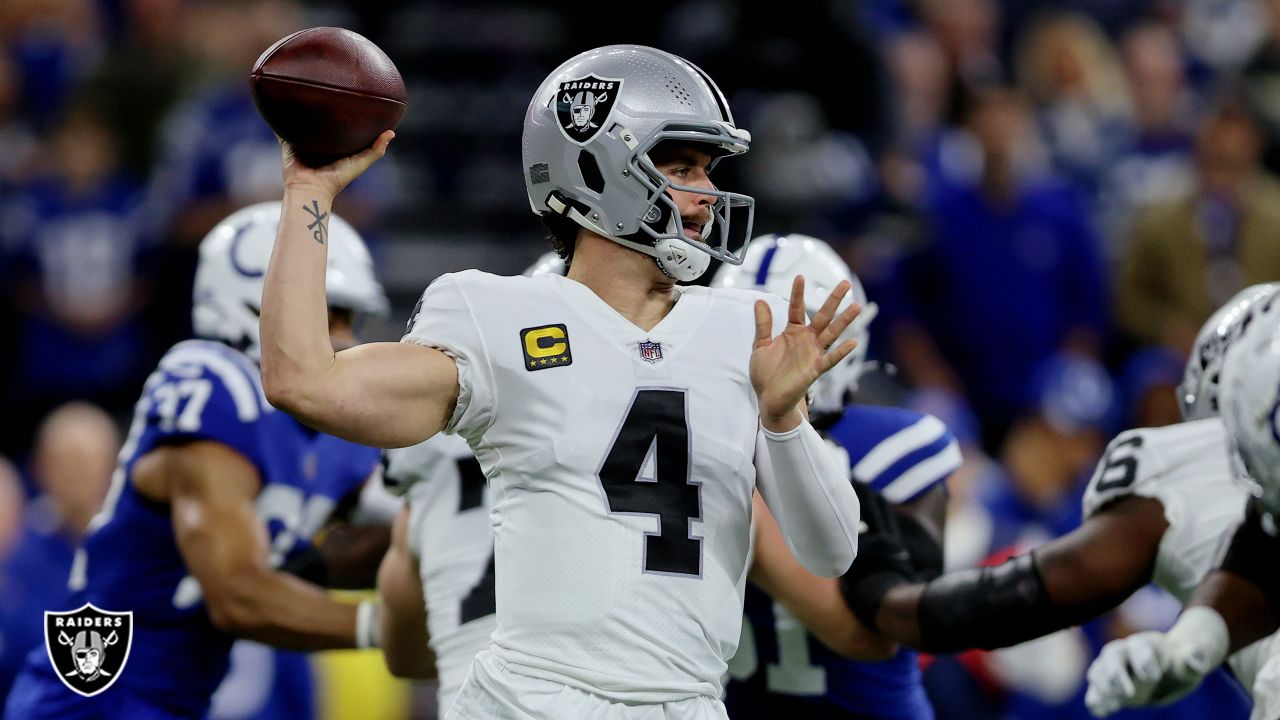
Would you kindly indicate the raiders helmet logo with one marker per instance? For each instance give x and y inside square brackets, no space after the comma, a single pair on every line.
[88,647]
[583,105]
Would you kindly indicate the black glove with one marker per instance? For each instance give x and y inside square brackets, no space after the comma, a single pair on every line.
[308,564]
[883,560]
[926,551]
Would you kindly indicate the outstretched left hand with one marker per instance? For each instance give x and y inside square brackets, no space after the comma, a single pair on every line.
[783,367]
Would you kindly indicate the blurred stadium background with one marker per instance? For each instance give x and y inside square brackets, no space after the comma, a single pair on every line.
[1045,198]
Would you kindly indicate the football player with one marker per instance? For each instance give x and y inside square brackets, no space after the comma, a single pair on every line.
[442,551]
[622,422]
[780,669]
[1232,614]
[1156,509]
[213,492]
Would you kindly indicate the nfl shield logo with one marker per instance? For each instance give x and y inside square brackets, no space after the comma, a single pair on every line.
[650,352]
[88,647]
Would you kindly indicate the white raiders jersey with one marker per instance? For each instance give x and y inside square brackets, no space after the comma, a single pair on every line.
[1187,468]
[621,466]
[450,535]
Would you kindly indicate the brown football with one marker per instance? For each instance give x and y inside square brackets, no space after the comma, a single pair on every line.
[328,91]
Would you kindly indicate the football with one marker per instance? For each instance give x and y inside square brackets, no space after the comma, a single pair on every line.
[328,91]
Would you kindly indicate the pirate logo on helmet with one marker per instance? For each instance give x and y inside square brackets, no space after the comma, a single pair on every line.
[88,647]
[583,105]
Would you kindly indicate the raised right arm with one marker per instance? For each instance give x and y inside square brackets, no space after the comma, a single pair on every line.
[378,394]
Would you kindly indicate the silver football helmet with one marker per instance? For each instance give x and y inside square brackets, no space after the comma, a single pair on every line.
[771,262]
[1198,393]
[233,267]
[1250,397]
[587,137]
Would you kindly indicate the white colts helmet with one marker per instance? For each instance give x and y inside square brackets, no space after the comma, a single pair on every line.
[1250,397]
[587,137]
[1198,393]
[233,267]
[771,262]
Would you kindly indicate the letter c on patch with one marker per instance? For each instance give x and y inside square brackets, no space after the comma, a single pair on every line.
[545,342]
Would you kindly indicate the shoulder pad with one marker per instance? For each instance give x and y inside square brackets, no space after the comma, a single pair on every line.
[900,452]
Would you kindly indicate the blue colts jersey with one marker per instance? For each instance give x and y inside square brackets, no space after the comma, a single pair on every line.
[202,391]
[782,671]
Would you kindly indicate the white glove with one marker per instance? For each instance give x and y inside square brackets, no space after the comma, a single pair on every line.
[1152,668]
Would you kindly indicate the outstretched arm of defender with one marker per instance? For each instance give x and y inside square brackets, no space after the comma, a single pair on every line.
[378,394]
[1062,583]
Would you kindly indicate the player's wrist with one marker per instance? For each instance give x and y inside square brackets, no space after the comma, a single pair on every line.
[1200,638]
[310,189]
[883,561]
[782,424]
[368,624]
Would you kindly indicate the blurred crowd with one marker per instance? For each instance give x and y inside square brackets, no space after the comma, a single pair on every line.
[1046,200]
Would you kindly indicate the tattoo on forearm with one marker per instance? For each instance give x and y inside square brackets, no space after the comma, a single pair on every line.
[319,227]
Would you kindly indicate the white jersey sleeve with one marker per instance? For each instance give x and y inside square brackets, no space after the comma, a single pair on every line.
[1186,468]
[443,319]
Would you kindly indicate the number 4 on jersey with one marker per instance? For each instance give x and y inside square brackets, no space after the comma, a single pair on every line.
[656,425]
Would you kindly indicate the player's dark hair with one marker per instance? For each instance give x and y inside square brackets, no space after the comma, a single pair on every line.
[562,233]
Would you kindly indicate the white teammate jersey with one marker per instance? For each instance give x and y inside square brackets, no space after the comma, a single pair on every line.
[450,535]
[621,468]
[1187,468]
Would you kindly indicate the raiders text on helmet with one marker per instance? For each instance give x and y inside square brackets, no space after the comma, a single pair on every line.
[587,137]
[233,267]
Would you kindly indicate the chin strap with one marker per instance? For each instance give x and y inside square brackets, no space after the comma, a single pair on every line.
[676,259]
